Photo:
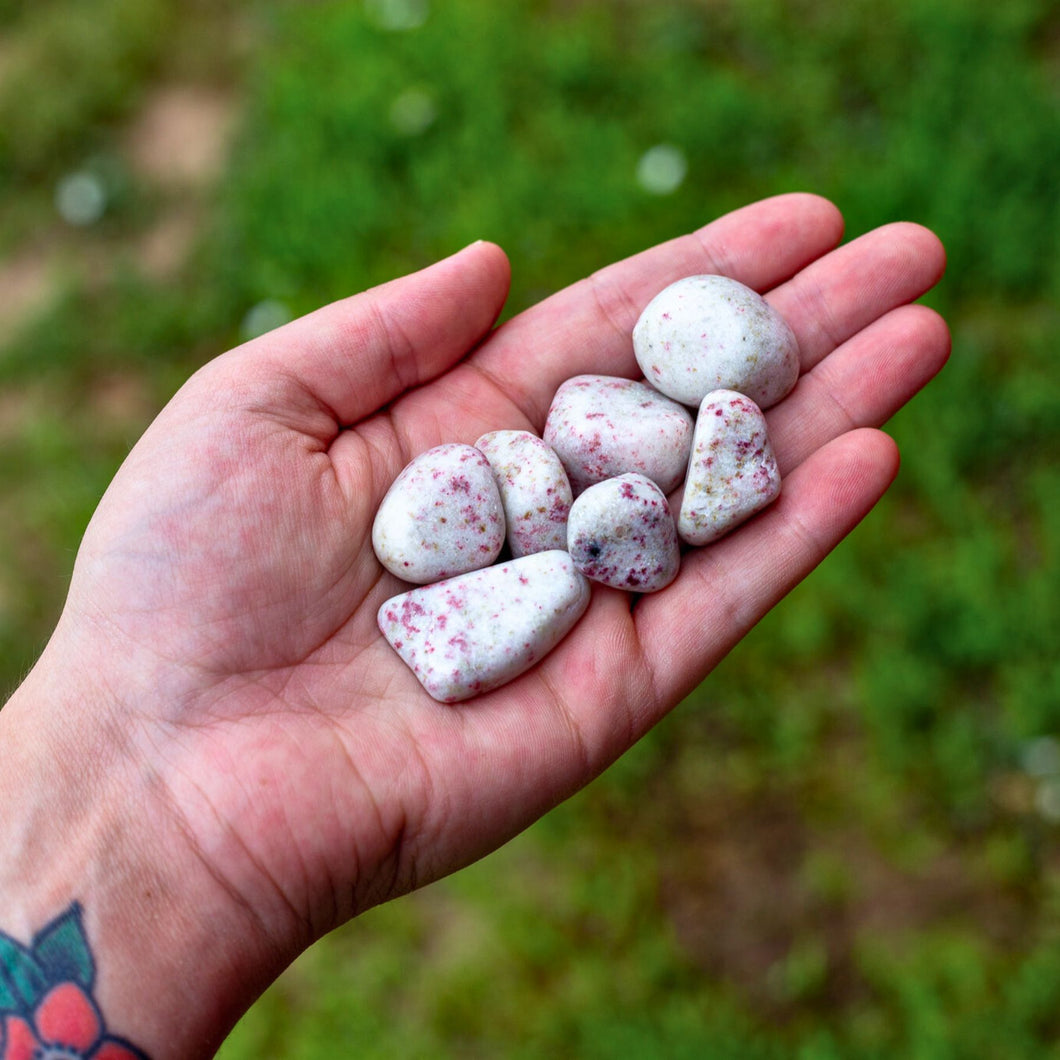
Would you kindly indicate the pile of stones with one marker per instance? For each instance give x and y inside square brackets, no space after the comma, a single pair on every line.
[590,500]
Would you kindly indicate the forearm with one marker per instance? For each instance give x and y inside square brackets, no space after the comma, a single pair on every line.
[173,962]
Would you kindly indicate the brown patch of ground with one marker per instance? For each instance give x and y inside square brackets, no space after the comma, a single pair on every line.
[179,143]
[18,409]
[181,135]
[26,285]
[163,248]
[122,403]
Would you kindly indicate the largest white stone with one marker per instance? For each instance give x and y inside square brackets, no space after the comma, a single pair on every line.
[707,333]
[476,632]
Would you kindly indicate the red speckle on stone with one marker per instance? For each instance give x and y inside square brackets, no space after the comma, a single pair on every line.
[460,484]
[410,610]
[523,579]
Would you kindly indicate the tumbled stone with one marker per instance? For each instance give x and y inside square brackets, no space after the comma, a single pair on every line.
[534,490]
[476,632]
[707,333]
[602,426]
[621,533]
[442,516]
[732,473]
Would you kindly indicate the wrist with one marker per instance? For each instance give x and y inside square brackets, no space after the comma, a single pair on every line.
[177,960]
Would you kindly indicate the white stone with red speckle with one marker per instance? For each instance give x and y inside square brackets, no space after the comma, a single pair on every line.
[473,633]
[706,333]
[442,516]
[534,490]
[603,426]
[621,533]
[732,473]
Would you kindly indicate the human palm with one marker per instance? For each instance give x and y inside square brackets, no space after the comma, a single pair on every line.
[224,598]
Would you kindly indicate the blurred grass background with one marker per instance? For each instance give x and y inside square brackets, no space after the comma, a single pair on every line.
[846,843]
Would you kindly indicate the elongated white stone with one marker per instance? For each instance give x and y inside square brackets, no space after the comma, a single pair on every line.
[732,473]
[442,516]
[603,426]
[475,632]
[621,533]
[707,333]
[534,490]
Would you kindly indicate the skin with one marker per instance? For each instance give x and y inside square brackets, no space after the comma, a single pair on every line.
[219,756]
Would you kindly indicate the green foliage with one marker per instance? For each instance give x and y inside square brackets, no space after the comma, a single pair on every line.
[836,847]
[73,66]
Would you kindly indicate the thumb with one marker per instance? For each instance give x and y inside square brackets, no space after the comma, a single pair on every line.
[357,354]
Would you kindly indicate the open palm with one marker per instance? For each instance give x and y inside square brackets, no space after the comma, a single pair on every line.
[223,603]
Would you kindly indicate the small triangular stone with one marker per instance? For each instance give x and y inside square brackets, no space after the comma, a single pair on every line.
[732,473]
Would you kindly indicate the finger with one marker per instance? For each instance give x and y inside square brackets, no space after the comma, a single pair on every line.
[355,355]
[861,384]
[846,290]
[588,326]
[618,671]
[725,588]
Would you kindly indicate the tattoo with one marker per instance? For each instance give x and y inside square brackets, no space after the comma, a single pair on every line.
[47,1009]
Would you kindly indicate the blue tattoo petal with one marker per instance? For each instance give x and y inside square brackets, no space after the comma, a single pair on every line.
[22,980]
[62,950]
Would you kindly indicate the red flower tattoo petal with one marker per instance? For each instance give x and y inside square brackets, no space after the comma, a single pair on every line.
[67,1017]
[17,1039]
[110,1049]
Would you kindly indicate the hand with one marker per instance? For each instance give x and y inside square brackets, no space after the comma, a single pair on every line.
[263,764]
